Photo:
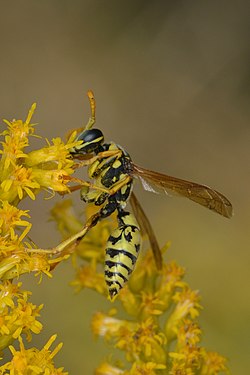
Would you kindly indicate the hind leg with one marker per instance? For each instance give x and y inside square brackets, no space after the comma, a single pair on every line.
[68,245]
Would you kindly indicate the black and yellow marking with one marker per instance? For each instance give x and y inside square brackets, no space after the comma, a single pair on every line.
[113,170]
[111,167]
[122,251]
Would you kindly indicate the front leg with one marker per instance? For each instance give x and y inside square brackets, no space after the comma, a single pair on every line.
[99,156]
[82,183]
[119,184]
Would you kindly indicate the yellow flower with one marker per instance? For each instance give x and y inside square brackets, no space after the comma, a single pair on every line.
[107,369]
[187,304]
[18,316]
[130,301]
[188,334]
[108,326]
[138,340]
[213,364]
[10,220]
[18,185]
[151,304]
[53,179]
[33,361]
[138,368]
[148,368]
[19,129]
[142,339]
[188,359]
[171,278]
[52,165]
[16,139]
[21,262]
[12,151]
[23,174]
[87,277]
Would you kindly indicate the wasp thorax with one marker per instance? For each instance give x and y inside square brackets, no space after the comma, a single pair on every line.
[92,139]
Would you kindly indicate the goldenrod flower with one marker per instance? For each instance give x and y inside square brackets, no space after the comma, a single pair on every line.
[108,326]
[151,304]
[10,220]
[162,310]
[17,315]
[130,301]
[33,361]
[16,139]
[213,363]
[87,277]
[14,258]
[25,174]
[107,369]
[143,340]
[148,368]
[187,306]
[19,184]
[158,335]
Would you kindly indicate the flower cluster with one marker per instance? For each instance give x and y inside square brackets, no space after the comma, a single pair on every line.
[33,361]
[158,332]
[161,333]
[18,315]
[24,174]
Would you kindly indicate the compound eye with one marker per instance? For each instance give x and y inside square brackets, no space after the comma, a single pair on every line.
[91,138]
[92,135]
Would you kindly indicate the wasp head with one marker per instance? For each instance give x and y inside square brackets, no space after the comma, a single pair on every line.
[91,141]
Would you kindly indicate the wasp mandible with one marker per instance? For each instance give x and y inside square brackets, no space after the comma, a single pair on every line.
[113,172]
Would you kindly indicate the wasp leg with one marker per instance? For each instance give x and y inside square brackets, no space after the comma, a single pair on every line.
[72,241]
[119,184]
[72,189]
[100,155]
[84,183]
[110,191]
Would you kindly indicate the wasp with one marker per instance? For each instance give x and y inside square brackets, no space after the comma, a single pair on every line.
[113,172]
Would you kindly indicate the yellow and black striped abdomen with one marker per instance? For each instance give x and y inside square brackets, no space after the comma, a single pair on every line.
[122,251]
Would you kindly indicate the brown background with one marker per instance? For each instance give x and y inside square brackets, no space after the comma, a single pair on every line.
[171,83]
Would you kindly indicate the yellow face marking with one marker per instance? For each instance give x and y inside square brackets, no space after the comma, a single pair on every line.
[92,168]
[113,146]
[124,189]
[116,164]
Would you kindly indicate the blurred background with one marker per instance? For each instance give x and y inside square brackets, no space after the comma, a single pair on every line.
[171,80]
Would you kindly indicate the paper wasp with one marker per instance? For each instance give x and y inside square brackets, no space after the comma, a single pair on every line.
[113,172]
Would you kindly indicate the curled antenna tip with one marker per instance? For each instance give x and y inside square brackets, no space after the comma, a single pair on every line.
[90,94]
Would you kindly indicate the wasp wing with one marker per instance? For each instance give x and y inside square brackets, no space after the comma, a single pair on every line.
[201,194]
[145,225]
